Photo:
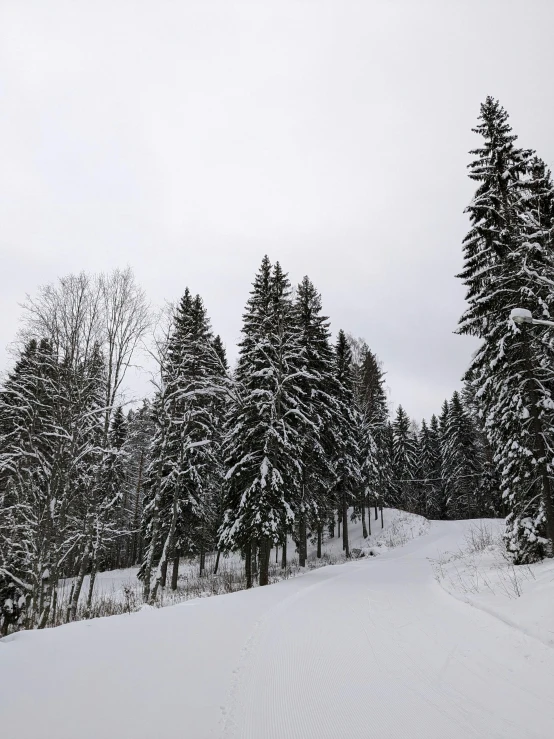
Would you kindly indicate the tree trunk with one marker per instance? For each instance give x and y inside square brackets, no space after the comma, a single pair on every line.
[155,530]
[345,544]
[135,554]
[45,606]
[168,547]
[364,527]
[76,591]
[255,558]
[302,544]
[217,561]
[175,572]
[54,607]
[163,572]
[68,607]
[248,564]
[49,583]
[319,537]
[202,559]
[123,543]
[376,513]
[382,522]
[540,446]
[368,516]
[339,514]
[284,555]
[265,549]
[91,588]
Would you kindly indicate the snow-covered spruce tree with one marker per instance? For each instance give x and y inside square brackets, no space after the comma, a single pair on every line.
[217,476]
[14,588]
[156,497]
[358,349]
[315,382]
[508,265]
[80,386]
[404,461]
[50,463]
[461,462]
[214,483]
[417,487]
[431,466]
[366,387]
[114,483]
[389,490]
[94,509]
[378,473]
[266,425]
[346,425]
[183,454]
[17,412]
[494,215]
[424,465]
[443,425]
[140,432]
[528,282]
[369,470]
[488,496]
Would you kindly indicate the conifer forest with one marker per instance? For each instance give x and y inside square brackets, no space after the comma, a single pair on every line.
[291,444]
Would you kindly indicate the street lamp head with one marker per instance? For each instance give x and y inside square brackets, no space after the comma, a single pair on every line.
[521,315]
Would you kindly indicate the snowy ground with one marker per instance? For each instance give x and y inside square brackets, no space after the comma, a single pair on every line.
[122,588]
[479,573]
[376,647]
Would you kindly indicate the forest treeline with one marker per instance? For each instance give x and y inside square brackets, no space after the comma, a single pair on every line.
[293,441]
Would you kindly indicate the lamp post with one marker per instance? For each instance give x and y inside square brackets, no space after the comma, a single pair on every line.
[523,318]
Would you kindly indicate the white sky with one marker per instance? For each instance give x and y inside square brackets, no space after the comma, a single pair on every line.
[188,138]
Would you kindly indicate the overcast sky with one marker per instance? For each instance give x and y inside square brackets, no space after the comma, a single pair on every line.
[188,138]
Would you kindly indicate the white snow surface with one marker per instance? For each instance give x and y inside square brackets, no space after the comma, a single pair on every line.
[378,647]
[399,527]
[485,578]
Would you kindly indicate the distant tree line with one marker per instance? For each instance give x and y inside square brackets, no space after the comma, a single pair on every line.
[294,442]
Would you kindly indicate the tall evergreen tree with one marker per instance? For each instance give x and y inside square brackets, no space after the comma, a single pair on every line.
[371,403]
[115,486]
[488,495]
[425,464]
[435,506]
[183,454]
[404,460]
[315,384]
[216,483]
[266,426]
[508,265]
[18,405]
[461,463]
[346,452]
[49,465]
[140,432]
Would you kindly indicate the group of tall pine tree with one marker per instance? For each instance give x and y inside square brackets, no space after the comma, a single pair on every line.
[294,442]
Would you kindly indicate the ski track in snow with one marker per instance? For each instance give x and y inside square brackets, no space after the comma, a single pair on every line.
[329,667]
[371,648]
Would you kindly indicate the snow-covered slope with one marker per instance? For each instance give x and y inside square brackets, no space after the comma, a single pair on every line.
[372,648]
[479,573]
[122,586]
